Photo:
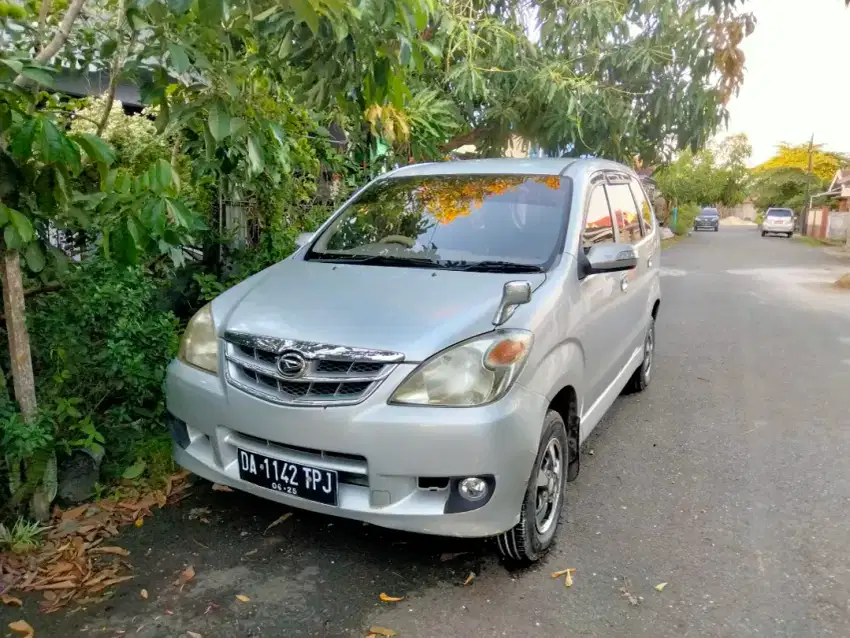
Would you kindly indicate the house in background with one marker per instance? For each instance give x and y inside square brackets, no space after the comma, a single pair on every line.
[840,189]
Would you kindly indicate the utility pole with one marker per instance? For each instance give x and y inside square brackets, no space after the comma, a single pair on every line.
[804,218]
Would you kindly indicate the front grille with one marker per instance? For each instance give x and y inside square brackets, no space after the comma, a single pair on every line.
[331,375]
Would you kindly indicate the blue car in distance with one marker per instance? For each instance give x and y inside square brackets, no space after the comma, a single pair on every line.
[708,219]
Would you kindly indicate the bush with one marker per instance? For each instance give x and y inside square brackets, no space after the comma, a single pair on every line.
[100,348]
[685,219]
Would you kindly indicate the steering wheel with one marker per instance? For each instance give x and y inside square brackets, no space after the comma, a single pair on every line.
[398,239]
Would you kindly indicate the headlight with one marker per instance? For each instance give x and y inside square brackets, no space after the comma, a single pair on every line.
[199,345]
[472,373]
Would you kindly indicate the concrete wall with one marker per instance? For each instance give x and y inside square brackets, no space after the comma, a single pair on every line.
[838,225]
[744,211]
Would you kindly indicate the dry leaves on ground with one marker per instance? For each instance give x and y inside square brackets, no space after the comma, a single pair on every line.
[469,578]
[376,630]
[74,564]
[242,598]
[186,576]
[391,599]
[22,628]
[218,487]
[10,600]
[278,521]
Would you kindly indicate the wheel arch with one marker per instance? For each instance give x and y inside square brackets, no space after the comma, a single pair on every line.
[565,403]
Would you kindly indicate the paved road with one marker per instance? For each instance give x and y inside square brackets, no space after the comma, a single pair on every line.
[729,479]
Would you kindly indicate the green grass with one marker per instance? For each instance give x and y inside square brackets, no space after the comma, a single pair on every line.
[815,241]
[22,537]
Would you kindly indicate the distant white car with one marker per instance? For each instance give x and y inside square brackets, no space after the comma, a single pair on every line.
[779,221]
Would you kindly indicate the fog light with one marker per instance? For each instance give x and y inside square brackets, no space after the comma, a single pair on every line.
[473,488]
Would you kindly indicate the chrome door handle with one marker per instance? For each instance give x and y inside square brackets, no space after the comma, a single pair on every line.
[624,282]
[649,262]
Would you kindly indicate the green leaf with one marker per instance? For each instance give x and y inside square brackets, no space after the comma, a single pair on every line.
[305,12]
[211,11]
[22,139]
[219,122]
[56,148]
[21,224]
[15,65]
[108,49]
[255,154]
[268,13]
[209,143]
[161,175]
[134,471]
[4,214]
[181,214]
[34,257]
[98,150]
[237,126]
[179,57]
[38,75]
[12,238]
[163,116]
[179,7]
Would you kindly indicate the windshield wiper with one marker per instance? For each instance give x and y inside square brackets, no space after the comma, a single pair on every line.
[376,260]
[497,266]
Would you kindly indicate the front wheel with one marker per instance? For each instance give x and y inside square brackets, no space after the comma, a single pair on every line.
[532,537]
[764,233]
[716,228]
[790,235]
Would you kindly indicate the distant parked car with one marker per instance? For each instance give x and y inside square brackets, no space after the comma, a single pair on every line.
[779,221]
[709,219]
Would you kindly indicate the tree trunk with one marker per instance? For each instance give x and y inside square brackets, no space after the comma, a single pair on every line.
[117,66]
[19,340]
[58,39]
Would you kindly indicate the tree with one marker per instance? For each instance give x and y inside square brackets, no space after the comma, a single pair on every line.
[717,175]
[824,163]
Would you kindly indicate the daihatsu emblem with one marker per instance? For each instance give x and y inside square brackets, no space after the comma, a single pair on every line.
[292,365]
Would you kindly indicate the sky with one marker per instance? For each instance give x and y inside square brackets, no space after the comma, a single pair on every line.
[796,80]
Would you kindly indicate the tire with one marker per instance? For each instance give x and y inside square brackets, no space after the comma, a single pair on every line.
[643,375]
[790,235]
[764,233]
[716,228]
[530,539]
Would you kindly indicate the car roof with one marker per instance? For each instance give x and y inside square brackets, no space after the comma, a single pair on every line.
[508,166]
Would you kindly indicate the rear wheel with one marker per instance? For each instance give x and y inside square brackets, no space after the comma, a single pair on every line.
[764,233]
[532,537]
[642,376]
[790,235]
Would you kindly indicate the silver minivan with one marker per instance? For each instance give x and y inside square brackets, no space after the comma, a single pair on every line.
[433,357]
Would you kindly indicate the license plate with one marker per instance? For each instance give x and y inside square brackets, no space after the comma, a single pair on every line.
[306,482]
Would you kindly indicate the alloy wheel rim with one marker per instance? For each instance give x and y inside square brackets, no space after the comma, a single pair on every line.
[649,349]
[550,482]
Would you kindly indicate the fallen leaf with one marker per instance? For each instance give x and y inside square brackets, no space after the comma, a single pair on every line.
[187,574]
[23,628]
[75,512]
[11,600]
[562,572]
[278,521]
[198,513]
[469,578]
[381,631]
[144,594]
[242,598]
[118,551]
[568,581]
[660,586]
[139,522]
[390,599]
[250,552]
[134,471]
[194,634]
[218,487]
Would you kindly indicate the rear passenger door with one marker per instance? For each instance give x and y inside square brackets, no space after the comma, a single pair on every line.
[636,285]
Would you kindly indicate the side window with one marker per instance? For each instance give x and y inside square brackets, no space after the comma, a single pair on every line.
[625,213]
[598,227]
[643,206]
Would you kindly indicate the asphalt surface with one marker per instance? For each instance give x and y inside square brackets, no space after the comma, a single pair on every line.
[728,479]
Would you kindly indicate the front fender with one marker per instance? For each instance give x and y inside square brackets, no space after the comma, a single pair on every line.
[562,366]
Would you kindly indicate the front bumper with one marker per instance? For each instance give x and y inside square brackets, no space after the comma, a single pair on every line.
[381,451]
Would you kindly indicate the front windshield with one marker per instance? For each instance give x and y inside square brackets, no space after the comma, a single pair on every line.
[710,212]
[451,221]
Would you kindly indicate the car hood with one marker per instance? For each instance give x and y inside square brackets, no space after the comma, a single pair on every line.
[414,311]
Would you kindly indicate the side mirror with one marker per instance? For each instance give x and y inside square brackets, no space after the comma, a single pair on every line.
[303,239]
[604,258]
[514,293]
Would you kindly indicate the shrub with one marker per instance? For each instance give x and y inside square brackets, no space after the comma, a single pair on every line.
[685,218]
[100,348]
